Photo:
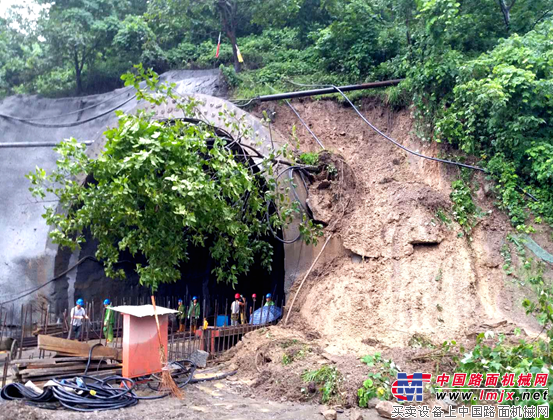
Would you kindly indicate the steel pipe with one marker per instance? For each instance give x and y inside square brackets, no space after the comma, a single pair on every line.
[324,91]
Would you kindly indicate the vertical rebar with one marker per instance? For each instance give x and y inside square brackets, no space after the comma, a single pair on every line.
[172,351]
[261,312]
[30,318]
[4,325]
[42,316]
[5,372]
[22,330]
[94,321]
[102,325]
[45,328]
[118,326]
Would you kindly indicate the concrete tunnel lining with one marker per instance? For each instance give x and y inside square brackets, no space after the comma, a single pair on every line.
[30,257]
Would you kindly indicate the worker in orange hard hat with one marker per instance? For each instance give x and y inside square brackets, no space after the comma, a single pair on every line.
[235,310]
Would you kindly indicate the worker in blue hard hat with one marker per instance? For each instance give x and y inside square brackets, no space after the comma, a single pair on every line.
[194,314]
[109,321]
[181,315]
[77,315]
[269,301]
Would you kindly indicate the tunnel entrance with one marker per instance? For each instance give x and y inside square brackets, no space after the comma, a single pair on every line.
[90,283]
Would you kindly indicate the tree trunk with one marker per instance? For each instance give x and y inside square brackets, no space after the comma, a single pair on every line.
[237,65]
[78,78]
[506,11]
[227,10]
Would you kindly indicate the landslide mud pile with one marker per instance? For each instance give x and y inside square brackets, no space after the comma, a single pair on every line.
[401,270]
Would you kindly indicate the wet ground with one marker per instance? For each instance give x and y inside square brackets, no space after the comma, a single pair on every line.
[210,401]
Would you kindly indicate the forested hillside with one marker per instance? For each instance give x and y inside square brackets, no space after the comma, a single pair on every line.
[478,72]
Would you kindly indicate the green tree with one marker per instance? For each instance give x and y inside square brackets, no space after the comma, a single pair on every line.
[77,31]
[159,188]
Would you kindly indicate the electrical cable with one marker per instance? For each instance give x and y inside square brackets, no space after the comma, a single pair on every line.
[27,293]
[73,124]
[299,118]
[90,357]
[476,168]
[267,212]
[401,146]
[87,393]
[51,117]
[88,257]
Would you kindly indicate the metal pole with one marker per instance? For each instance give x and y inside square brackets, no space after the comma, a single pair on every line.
[13,144]
[324,91]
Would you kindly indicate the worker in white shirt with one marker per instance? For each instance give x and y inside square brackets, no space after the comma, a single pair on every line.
[77,315]
[235,308]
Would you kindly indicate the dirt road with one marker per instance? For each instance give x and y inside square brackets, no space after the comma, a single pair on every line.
[210,401]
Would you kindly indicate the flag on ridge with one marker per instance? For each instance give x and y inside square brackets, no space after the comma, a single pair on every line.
[218,46]
[240,59]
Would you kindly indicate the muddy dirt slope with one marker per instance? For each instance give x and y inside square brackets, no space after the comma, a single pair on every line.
[395,269]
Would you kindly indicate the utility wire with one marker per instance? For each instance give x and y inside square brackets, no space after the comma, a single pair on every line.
[476,168]
[299,118]
[88,257]
[51,117]
[73,124]
[398,144]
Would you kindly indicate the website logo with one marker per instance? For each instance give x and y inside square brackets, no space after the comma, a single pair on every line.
[410,387]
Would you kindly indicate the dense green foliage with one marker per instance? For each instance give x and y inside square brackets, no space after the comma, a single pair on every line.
[503,357]
[159,189]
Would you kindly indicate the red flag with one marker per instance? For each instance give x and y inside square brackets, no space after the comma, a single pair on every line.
[218,46]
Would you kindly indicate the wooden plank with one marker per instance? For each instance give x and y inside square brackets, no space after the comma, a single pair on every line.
[75,348]
[35,361]
[54,366]
[41,380]
[75,370]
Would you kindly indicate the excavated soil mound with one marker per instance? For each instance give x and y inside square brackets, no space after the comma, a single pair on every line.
[402,271]
[271,362]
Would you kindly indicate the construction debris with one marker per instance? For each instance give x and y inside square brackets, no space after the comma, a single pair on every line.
[199,358]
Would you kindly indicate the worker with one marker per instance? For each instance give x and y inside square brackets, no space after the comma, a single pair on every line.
[235,310]
[269,301]
[242,309]
[109,321]
[181,315]
[194,314]
[77,315]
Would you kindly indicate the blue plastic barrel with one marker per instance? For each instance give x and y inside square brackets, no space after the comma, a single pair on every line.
[221,321]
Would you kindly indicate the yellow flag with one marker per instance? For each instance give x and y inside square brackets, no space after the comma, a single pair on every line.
[240,59]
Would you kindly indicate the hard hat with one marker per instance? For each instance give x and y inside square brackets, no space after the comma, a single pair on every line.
[194,298]
[80,302]
[237,296]
[180,300]
[268,295]
[254,296]
[107,302]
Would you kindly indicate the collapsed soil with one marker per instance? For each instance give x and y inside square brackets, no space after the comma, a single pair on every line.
[398,269]
[395,278]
